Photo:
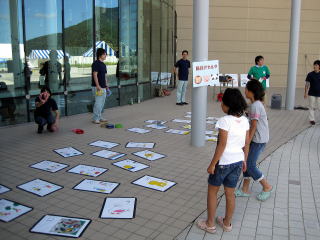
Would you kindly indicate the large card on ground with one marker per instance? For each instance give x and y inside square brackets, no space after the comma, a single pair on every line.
[39,187]
[108,154]
[4,189]
[96,186]
[149,155]
[87,170]
[61,226]
[156,126]
[68,152]
[104,144]
[139,130]
[154,183]
[49,166]
[130,165]
[140,145]
[121,208]
[179,132]
[10,210]
[181,121]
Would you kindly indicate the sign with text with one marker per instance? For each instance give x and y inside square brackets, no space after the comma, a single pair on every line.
[206,73]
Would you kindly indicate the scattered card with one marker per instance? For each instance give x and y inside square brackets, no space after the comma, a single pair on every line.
[49,166]
[176,131]
[39,187]
[156,121]
[211,138]
[211,122]
[181,121]
[121,208]
[130,165]
[10,210]
[154,183]
[139,130]
[149,155]
[140,145]
[4,189]
[96,186]
[104,144]
[156,126]
[68,152]
[87,170]
[188,126]
[187,116]
[108,154]
[61,226]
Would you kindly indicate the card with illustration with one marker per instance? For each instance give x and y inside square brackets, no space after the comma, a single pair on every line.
[139,130]
[10,210]
[108,154]
[130,165]
[4,189]
[187,116]
[181,121]
[49,166]
[154,183]
[68,152]
[87,170]
[211,138]
[156,126]
[104,144]
[120,208]
[176,131]
[149,155]
[140,145]
[96,186]
[188,126]
[61,226]
[39,187]
[189,113]
[211,122]
[155,121]
[212,118]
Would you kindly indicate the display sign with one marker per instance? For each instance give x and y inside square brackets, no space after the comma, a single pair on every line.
[206,73]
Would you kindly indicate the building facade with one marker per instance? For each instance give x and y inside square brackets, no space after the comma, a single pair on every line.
[138,35]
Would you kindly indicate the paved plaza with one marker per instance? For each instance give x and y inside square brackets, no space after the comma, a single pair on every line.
[290,161]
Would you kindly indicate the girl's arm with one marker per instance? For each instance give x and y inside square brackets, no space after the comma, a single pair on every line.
[223,136]
[253,128]
[246,151]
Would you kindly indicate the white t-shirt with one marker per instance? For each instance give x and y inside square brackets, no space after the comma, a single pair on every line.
[237,128]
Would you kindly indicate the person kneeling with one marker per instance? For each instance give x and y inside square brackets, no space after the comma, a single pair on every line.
[44,106]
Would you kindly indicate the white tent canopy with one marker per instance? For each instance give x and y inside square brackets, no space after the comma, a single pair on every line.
[100,44]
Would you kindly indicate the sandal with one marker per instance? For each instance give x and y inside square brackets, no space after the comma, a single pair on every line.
[263,196]
[224,227]
[202,224]
[240,193]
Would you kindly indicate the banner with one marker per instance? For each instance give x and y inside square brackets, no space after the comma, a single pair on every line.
[206,73]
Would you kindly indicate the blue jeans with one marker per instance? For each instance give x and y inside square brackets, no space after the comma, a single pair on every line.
[45,120]
[254,152]
[228,175]
[181,91]
[99,102]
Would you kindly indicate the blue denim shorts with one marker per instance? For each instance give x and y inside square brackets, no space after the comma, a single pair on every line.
[227,175]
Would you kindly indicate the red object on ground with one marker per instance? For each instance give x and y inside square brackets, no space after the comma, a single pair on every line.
[78,131]
[219,97]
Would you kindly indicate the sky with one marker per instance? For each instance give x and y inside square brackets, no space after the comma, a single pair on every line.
[44,16]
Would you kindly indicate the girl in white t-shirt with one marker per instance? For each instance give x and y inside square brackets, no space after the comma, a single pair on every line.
[228,160]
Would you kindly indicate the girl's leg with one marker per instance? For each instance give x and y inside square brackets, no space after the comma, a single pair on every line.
[230,205]
[212,204]
[245,185]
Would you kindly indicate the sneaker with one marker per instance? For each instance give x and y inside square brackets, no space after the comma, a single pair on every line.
[103,120]
[40,129]
[312,122]
[185,103]
[179,103]
[224,227]
[96,121]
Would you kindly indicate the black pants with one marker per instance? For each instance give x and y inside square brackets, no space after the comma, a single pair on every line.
[43,120]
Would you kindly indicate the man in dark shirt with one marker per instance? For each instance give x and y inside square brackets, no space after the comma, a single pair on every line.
[312,89]
[99,85]
[44,106]
[183,66]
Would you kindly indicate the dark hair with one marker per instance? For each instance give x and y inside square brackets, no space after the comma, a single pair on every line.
[234,100]
[258,58]
[317,62]
[100,52]
[45,89]
[256,88]
[185,51]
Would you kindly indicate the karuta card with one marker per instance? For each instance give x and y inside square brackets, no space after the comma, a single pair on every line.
[49,166]
[61,226]
[181,121]
[154,183]
[96,186]
[139,130]
[4,189]
[149,155]
[156,126]
[140,145]
[10,210]
[211,138]
[120,208]
[176,131]
[68,152]
[39,187]
[156,121]
[108,154]
[88,170]
[104,144]
[130,165]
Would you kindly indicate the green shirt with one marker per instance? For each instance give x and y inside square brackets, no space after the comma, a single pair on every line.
[260,72]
